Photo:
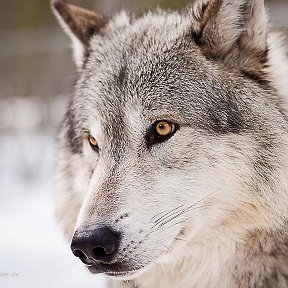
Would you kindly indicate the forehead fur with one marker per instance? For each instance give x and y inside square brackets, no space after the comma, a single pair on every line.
[153,63]
[149,60]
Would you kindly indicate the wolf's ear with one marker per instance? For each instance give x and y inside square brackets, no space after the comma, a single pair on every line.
[232,31]
[80,24]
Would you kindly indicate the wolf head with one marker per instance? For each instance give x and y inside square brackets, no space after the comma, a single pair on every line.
[174,133]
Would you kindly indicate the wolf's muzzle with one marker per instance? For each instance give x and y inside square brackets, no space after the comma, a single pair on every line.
[95,244]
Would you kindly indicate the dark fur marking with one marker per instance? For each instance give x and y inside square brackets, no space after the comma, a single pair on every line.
[87,54]
[259,79]
[225,116]
[122,75]
[71,136]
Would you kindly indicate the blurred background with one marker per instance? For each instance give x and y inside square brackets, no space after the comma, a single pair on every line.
[36,74]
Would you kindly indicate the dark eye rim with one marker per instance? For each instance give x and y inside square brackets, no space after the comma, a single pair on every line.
[94,147]
[153,138]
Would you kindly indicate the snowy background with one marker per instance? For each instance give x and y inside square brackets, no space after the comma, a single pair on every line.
[33,251]
[35,69]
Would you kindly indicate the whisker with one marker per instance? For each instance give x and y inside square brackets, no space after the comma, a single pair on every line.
[162,213]
[177,214]
[183,212]
[170,251]
[167,214]
[174,224]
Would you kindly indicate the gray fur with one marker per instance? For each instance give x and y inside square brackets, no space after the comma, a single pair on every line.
[208,207]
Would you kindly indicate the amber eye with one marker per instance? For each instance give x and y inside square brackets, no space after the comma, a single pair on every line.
[93,142]
[160,132]
[164,128]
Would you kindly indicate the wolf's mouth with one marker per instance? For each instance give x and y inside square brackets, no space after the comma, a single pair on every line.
[127,274]
[115,270]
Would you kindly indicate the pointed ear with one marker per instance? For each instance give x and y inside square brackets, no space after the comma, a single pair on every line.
[232,31]
[80,24]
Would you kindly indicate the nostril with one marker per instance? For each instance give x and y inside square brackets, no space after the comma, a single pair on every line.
[78,253]
[81,255]
[100,252]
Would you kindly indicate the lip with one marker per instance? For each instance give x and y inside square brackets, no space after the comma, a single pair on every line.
[121,274]
[113,270]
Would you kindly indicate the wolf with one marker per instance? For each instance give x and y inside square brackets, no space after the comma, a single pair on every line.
[173,153]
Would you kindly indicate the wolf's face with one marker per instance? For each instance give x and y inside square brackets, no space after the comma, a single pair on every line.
[165,129]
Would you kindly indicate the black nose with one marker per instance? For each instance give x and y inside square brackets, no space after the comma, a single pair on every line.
[95,244]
